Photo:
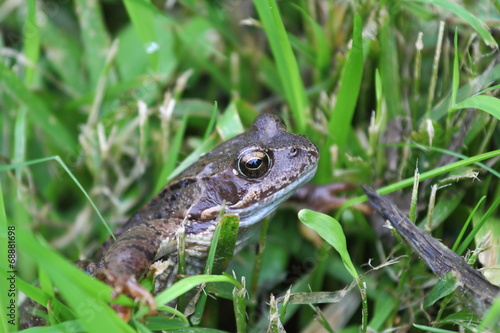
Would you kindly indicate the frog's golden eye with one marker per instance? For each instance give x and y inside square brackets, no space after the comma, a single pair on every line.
[253,163]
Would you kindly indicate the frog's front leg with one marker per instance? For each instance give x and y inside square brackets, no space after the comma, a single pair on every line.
[130,256]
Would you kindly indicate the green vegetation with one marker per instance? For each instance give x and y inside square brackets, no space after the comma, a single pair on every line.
[103,102]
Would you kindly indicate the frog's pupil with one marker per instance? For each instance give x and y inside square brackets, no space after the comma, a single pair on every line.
[254,163]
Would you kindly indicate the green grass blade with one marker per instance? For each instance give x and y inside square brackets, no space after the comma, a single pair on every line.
[184,285]
[38,111]
[174,312]
[466,224]
[31,42]
[390,59]
[478,226]
[444,287]
[461,156]
[239,305]
[339,124]
[143,19]
[331,231]
[426,175]
[432,329]
[485,103]
[481,28]
[70,174]
[285,60]
[224,248]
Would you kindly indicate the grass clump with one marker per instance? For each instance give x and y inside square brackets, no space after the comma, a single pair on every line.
[123,93]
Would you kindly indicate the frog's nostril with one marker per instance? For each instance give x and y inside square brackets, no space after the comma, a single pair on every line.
[293,152]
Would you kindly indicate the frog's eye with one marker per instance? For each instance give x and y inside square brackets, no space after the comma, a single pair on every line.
[253,163]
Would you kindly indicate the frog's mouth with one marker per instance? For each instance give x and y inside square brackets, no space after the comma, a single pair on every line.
[259,210]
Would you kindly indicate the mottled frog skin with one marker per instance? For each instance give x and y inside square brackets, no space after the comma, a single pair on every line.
[249,175]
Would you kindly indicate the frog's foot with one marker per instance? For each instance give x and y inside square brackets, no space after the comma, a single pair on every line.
[129,287]
[322,198]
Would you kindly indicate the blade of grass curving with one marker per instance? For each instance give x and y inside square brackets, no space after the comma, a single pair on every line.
[444,287]
[331,231]
[285,60]
[481,28]
[484,218]
[143,19]
[463,318]
[449,152]
[68,171]
[495,87]
[339,124]
[466,224]
[38,112]
[485,103]
[174,312]
[426,175]
[31,36]
[432,329]
[38,295]
[184,285]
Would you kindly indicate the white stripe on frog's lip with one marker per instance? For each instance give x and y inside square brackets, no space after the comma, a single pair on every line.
[260,210]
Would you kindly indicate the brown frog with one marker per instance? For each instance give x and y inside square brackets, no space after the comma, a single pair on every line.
[248,176]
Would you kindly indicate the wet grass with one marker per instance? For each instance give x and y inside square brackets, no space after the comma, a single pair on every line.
[128,93]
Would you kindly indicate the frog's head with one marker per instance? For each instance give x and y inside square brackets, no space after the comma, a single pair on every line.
[251,174]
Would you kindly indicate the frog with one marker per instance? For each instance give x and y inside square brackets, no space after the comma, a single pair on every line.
[247,176]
